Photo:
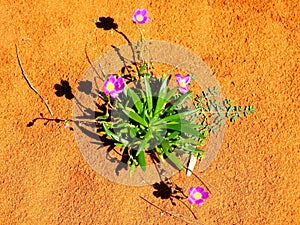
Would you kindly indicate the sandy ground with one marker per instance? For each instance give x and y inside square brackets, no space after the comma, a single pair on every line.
[251,46]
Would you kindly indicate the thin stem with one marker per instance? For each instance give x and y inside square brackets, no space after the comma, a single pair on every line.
[29,83]
[189,208]
[169,213]
[203,181]
[141,32]
[142,41]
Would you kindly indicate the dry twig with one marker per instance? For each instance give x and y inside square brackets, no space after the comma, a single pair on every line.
[29,83]
[172,214]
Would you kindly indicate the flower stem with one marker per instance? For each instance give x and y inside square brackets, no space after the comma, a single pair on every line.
[142,39]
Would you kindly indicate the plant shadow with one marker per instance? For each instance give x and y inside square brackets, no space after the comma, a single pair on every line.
[63,89]
[168,190]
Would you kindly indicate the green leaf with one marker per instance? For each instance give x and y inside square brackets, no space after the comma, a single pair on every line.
[184,128]
[178,116]
[174,159]
[119,144]
[142,69]
[166,146]
[223,121]
[171,93]
[238,108]
[193,149]
[142,93]
[132,168]
[174,134]
[252,109]
[214,91]
[133,115]
[180,100]
[121,125]
[144,142]
[142,161]
[113,135]
[214,129]
[148,95]
[133,131]
[136,100]
[185,140]
[102,117]
[161,96]
[234,118]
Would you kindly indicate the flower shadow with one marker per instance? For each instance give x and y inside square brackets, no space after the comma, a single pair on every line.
[106,23]
[168,190]
[64,89]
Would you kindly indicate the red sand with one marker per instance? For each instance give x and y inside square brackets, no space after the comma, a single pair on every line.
[253,48]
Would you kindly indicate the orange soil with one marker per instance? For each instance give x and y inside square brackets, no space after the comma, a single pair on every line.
[251,46]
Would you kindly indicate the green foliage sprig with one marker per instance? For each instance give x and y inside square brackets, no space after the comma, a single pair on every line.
[147,118]
[152,118]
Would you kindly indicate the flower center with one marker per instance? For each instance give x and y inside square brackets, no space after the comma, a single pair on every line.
[181,83]
[139,17]
[198,196]
[110,86]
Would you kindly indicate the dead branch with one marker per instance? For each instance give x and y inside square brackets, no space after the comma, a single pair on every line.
[29,83]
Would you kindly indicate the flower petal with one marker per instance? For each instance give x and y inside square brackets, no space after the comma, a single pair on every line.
[191,200]
[183,90]
[191,189]
[137,11]
[143,12]
[205,195]
[177,75]
[114,94]
[105,90]
[199,189]
[133,18]
[144,20]
[112,79]
[120,84]
[186,79]
[197,195]
[199,202]
[140,16]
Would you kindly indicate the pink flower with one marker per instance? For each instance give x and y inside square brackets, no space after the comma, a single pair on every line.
[140,16]
[182,83]
[197,195]
[114,86]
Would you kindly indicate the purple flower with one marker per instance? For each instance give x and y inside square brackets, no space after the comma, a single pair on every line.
[114,86]
[182,83]
[140,16]
[197,195]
